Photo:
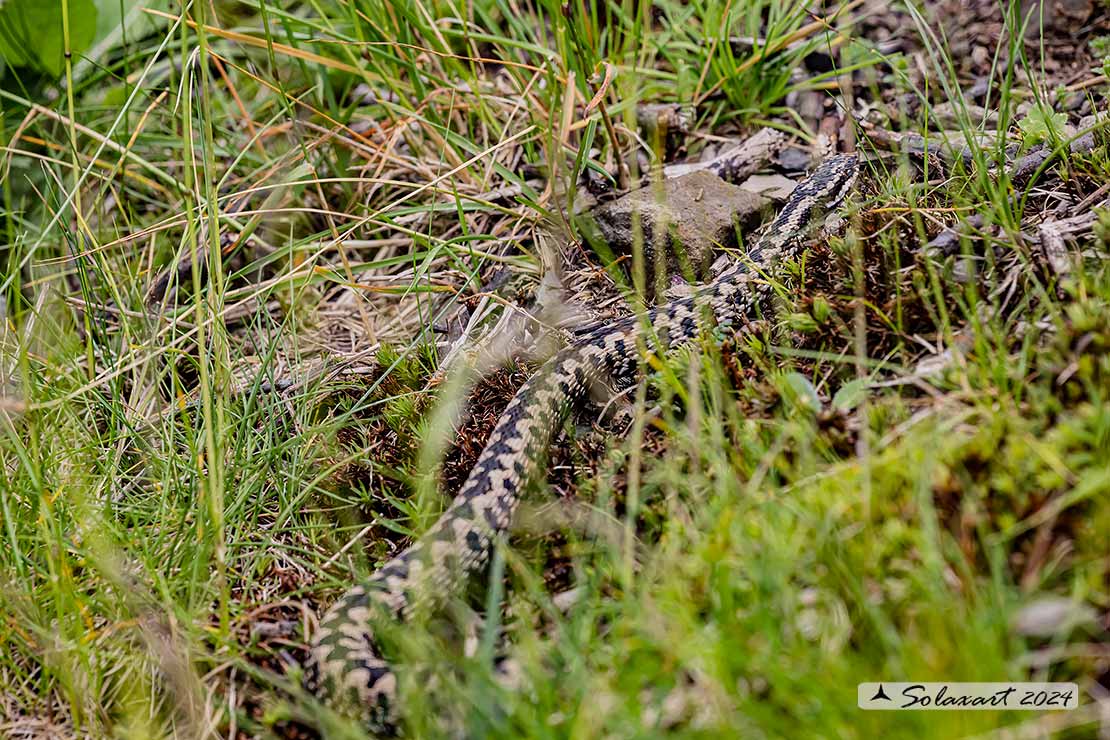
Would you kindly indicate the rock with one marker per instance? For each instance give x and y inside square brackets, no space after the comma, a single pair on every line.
[949,116]
[682,220]
[1051,616]
[794,159]
[980,88]
[776,187]
[661,119]
[1055,16]
[980,56]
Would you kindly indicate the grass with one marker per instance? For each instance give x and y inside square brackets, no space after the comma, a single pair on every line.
[787,513]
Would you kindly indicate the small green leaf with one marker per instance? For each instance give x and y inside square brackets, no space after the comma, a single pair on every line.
[1042,124]
[1100,46]
[850,395]
[802,322]
[821,309]
[31,32]
[803,391]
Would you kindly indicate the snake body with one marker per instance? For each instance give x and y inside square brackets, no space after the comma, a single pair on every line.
[344,668]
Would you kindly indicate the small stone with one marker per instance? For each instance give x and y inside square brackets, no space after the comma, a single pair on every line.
[963,271]
[775,187]
[794,159]
[980,55]
[1051,616]
[949,115]
[1059,16]
[979,89]
[660,119]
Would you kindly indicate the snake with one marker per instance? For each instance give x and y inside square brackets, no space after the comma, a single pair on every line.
[344,668]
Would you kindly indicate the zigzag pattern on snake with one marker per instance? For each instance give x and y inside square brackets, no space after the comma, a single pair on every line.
[344,668]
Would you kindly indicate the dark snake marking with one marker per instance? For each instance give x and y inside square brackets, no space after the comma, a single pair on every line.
[344,668]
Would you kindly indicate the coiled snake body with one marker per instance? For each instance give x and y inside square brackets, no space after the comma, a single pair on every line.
[344,668]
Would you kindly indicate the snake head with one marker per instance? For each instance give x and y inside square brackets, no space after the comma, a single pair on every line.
[820,193]
[834,179]
[813,199]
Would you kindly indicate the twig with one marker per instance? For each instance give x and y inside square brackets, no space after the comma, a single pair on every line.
[737,163]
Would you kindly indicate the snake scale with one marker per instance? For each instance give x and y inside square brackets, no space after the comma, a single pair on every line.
[344,668]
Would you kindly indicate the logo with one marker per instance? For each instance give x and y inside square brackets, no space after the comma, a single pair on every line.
[939,695]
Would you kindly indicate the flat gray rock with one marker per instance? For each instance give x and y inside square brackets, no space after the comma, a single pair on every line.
[776,187]
[680,222]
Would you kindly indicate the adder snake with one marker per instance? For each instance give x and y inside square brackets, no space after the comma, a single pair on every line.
[344,668]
